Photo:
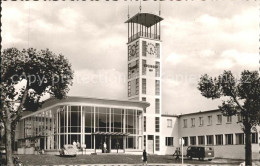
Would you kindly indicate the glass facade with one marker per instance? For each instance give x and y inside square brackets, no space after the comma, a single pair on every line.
[91,126]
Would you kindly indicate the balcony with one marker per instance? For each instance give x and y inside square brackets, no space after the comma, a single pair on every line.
[145,35]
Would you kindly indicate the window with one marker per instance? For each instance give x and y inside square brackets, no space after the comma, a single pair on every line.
[185,141]
[219,139]
[209,120]
[144,140]
[219,117]
[144,86]
[184,123]
[144,67]
[254,138]
[209,139]
[193,140]
[201,121]
[144,48]
[192,122]
[239,118]
[137,86]
[157,106]
[157,87]
[158,50]
[229,119]
[229,139]
[157,69]
[201,140]
[157,143]
[169,123]
[129,88]
[144,123]
[157,124]
[240,138]
[168,141]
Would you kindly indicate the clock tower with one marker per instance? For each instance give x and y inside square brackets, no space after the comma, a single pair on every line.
[144,73]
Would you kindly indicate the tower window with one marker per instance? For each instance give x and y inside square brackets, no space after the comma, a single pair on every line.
[157,106]
[157,70]
[157,87]
[144,86]
[157,143]
[157,50]
[144,48]
[157,124]
[137,86]
[143,67]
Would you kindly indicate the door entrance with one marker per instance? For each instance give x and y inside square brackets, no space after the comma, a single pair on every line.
[150,144]
[41,143]
[102,142]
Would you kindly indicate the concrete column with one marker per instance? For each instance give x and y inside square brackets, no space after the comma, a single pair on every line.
[124,143]
[109,144]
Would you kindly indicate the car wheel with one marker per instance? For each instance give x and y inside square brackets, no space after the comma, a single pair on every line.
[209,159]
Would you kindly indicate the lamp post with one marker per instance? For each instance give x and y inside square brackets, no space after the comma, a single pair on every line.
[181,142]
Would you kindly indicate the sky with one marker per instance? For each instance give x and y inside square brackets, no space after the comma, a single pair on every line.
[198,37]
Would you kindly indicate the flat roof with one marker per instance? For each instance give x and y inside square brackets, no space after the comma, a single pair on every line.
[200,112]
[88,100]
[145,19]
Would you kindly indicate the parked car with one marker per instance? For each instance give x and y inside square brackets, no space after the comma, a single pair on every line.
[68,150]
[2,153]
[2,150]
[200,152]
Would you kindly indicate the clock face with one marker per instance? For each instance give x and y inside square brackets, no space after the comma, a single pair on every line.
[150,48]
[133,49]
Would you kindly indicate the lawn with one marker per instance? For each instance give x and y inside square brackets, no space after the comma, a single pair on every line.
[114,159]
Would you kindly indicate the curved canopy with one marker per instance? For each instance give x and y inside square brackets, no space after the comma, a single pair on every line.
[145,19]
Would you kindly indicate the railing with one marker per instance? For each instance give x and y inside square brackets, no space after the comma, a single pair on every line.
[143,34]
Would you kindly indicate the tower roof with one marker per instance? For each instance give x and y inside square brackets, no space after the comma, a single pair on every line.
[145,19]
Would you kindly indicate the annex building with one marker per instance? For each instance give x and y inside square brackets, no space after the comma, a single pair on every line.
[129,126]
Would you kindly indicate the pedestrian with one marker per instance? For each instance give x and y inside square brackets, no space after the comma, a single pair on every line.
[144,157]
[78,144]
[177,153]
[74,143]
[105,147]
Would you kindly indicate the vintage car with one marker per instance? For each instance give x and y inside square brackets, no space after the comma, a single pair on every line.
[68,150]
[200,152]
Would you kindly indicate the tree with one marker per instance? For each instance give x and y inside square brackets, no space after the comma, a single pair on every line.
[38,73]
[243,99]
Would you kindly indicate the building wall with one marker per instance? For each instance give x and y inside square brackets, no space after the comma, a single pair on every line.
[168,131]
[223,151]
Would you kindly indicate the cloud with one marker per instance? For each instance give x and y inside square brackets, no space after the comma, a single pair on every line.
[174,58]
[208,20]
[198,38]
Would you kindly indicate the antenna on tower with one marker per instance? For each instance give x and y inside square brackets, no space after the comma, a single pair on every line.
[128,13]
[159,7]
[140,6]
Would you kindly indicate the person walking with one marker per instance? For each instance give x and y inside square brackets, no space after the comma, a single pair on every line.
[177,153]
[105,147]
[144,157]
